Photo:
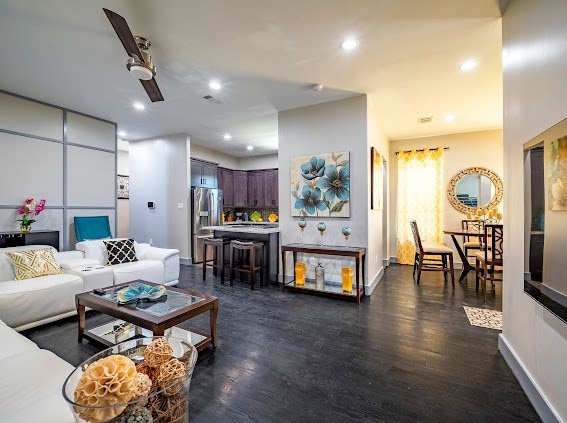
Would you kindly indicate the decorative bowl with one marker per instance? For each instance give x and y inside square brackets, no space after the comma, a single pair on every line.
[166,400]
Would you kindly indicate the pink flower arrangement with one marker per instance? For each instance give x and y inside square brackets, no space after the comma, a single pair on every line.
[30,208]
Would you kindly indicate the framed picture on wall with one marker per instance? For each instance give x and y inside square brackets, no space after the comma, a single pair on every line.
[320,185]
[376,180]
[123,188]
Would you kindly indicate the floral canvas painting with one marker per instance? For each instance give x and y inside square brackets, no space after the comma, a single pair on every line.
[320,185]
[557,174]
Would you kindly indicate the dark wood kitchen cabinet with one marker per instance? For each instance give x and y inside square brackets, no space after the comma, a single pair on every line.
[271,184]
[263,188]
[240,180]
[226,183]
[203,174]
[256,188]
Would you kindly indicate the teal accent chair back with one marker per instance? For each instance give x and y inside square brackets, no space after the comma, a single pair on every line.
[92,227]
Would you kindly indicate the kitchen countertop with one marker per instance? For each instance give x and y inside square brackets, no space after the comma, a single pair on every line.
[243,222]
[245,228]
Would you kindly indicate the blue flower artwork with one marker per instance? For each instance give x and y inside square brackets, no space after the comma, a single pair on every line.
[320,185]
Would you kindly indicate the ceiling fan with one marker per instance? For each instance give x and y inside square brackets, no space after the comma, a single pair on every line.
[140,62]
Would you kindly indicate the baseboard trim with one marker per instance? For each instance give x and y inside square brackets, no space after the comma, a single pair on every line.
[185,261]
[385,262]
[368,289]
[542,406]
[393,259]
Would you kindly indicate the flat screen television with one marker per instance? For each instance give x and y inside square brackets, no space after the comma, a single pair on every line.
[545,225]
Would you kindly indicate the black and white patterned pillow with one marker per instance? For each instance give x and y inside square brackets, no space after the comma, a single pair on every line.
[120,251]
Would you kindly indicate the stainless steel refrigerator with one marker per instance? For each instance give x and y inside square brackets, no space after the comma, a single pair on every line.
[206,210]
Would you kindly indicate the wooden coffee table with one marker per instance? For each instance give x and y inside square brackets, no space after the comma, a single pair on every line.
[148,319]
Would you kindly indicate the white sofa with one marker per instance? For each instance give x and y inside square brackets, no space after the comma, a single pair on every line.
[31,381]
[32,302]
[158,265]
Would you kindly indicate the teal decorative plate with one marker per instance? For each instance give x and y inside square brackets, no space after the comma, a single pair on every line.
[141,292]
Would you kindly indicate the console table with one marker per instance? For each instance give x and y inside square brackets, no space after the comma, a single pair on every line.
[329,291]
[17,239]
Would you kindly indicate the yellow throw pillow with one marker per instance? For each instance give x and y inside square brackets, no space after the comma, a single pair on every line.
[33,263]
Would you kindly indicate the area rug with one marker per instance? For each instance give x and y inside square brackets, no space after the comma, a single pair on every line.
[484,318]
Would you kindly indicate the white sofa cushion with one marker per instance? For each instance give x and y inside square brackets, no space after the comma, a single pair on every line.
[30,388]
[30,300]
[147,270]
[13,343]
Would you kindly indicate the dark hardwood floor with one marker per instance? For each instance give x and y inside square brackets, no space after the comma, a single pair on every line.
[406,354]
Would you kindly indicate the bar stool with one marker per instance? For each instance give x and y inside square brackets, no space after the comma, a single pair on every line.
[218,261]
[252,247]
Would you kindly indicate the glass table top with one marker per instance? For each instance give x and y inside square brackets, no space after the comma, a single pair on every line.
[169,302]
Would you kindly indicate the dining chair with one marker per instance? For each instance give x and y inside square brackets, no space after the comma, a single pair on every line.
[490,261]
[471,242]
[425,253]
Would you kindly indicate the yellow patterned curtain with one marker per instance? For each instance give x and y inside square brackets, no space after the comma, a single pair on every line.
[420,193]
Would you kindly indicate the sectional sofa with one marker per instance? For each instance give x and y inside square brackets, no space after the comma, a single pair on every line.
[31,381]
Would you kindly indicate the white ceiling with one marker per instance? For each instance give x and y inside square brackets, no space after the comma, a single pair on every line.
[267,54]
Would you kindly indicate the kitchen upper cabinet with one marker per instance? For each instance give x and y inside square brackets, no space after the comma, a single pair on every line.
[226,183]
[240,184]
[256,188]
[203,174]
[271,186]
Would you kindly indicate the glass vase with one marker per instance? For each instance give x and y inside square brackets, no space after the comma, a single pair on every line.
[25,228]
[164,402]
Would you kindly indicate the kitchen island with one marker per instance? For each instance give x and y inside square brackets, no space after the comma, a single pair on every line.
[269,234]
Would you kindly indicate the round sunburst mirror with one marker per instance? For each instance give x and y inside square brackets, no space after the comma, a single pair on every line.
[473,188]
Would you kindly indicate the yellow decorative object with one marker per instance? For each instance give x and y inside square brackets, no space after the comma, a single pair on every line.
[33,263]
[273,217]
[255,216]
[499,216]
[170,372]
[158,352]
[347,279]
[420,198]
[300,273]
[108,381]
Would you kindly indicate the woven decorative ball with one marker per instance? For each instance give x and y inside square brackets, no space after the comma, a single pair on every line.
[158,352]
[151,371]
[170,372]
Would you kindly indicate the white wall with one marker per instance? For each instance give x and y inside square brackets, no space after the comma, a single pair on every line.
[377,230]
[324,128]
[483,148]
[269,161]
[535,98]
[159,172]
[204,153]
[72,166]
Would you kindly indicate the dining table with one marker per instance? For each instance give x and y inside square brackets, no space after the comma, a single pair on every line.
[465,233]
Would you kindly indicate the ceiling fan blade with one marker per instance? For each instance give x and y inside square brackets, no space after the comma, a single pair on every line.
[123,31]
[152,89]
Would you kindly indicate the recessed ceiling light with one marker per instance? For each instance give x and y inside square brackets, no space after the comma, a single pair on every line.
[349,44]
[215,85]
[449,118]
[468,65]
[139,106]
[227,136]
[249,148]
[122,134]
